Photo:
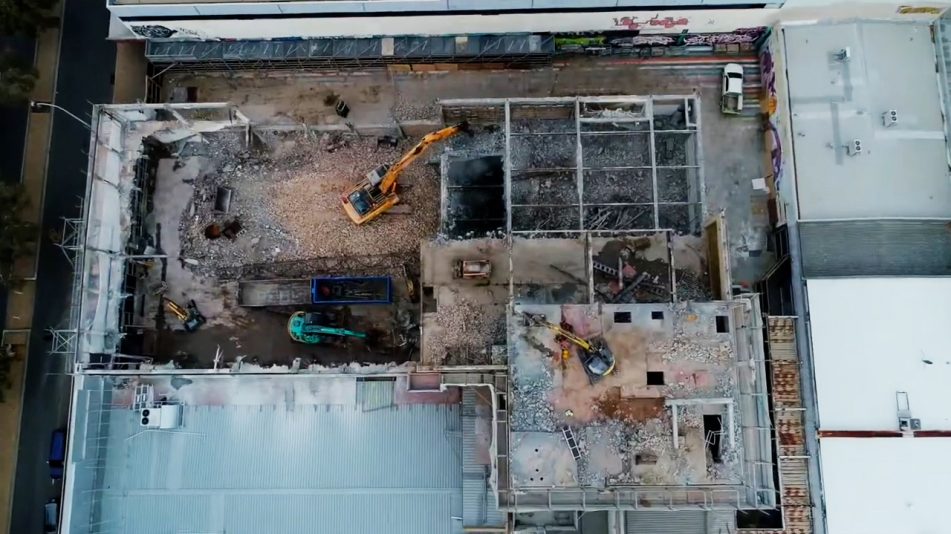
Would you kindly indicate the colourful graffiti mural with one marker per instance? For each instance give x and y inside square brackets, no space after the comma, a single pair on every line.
[640,23]
[768,74]
[916,10]
[574,42]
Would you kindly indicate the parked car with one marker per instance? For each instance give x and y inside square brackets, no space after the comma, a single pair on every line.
[51,516]
[57,453]
[732,99]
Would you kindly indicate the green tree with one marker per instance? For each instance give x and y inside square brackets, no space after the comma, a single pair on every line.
[17,79]
[17,236]
[26,17]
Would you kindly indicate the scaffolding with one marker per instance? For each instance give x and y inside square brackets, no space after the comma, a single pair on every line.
[109,238]
[349,53]
[595,164]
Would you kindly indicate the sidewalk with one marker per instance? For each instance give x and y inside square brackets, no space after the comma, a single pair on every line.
[20,302]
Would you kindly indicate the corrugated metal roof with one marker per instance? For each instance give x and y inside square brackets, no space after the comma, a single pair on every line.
[666,522]
[292,469]
[480,507]
[876,248]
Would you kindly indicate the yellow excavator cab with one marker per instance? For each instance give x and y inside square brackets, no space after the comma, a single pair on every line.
[376,192]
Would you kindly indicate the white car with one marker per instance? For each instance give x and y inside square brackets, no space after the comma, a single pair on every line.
[732,100]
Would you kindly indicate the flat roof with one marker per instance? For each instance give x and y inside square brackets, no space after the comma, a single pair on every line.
[875,337]
[885,484]
[902,170]
[265,454]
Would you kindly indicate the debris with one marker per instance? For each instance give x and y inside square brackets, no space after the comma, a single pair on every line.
[467,331]
[231,229]
[387,140]
[223,199]
[286,200]
[213,231]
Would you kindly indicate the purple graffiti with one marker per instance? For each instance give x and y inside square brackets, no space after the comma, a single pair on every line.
[652,40]
[719,38]
[768,70]
[768,74]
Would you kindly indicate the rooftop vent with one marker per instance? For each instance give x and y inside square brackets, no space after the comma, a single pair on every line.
[854,148]
[890,118]
[844,54]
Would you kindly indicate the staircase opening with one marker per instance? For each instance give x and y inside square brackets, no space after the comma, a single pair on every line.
[713,435]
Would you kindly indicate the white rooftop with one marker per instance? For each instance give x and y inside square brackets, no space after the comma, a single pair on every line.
[886,485]
[902,170]
[874,337]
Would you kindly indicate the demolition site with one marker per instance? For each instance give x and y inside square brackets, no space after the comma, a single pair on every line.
[552,285]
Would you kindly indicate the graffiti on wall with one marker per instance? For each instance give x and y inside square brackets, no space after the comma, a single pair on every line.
[768,73]
[737,36]
[153,31]
[655,22]
[916,10]
[613,43]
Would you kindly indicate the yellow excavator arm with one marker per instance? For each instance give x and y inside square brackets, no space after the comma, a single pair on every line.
[392,175]
[376,193]
[582,343]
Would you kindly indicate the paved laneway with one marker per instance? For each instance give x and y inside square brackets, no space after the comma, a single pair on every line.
[84,76]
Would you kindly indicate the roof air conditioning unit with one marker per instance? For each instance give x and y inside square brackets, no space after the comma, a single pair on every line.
[844,54]
[165,417]
[149,418]
[854,148]
[890,118]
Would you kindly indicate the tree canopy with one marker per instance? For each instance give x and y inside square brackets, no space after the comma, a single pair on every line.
[17,79]
[25,17]
[16,235]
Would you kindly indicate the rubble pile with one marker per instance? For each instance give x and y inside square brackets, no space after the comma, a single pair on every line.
[307,202]
[467,332]
[404,110]
[285,204]
[690,286]
[533,412]
[680,349]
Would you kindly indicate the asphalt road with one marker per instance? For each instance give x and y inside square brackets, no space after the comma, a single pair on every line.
[84,77]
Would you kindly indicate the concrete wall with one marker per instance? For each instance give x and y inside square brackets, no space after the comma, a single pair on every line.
[337,7]
[647,22]
[167,20]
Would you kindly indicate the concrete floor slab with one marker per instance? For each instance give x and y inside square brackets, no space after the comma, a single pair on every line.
[542,459]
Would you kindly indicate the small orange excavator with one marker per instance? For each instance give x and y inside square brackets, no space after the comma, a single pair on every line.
[376,193]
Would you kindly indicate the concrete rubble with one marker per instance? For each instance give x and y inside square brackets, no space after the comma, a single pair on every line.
[286,196]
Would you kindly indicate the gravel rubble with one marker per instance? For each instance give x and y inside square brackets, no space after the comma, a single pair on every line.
[287,201]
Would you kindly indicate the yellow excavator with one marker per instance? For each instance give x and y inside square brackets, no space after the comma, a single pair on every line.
[376,193]
[596,358]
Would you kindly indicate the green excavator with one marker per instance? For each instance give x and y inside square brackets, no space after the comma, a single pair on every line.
[306,327]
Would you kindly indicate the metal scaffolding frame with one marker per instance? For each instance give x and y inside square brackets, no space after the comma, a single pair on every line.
[586,120]
[99,242]
[71,238]
[508,50]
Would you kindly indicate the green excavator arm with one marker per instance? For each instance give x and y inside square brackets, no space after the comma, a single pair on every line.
[303,327]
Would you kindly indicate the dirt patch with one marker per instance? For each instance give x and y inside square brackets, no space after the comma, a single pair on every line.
[576,392]
[629,409]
